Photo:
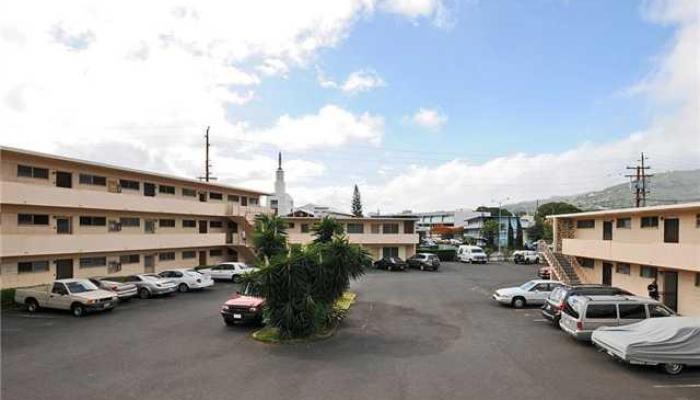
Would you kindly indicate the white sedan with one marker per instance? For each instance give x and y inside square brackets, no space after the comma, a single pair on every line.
[187,279]
[529,293]
[229,271]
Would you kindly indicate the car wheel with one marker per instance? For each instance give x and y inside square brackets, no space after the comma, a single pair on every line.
[144,293]
[422,268]
[672,369]
[32,305]
[235,278]
[77,310]
[518,302]
[183,288]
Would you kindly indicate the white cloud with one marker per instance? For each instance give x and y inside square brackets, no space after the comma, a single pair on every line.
[357,82]
[429,118]
[415,9]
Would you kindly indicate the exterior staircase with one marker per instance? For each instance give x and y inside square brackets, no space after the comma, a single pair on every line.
[561,265]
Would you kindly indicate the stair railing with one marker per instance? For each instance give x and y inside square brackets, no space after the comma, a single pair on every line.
[558,270]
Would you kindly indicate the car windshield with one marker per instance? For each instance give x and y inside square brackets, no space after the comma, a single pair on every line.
[81,286]
[527,285]
[477,251]
[557,294]
[151,277]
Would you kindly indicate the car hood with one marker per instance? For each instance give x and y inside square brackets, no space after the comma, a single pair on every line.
[94,294]
[245,301]
[509,291]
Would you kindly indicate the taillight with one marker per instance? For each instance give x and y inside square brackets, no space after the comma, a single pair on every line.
[579,325]
[114,288]
[561,306]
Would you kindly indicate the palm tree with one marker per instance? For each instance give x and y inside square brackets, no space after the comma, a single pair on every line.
[326,229]
[270,237]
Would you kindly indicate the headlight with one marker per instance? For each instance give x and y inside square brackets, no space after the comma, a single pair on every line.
[253,309]
[91,301]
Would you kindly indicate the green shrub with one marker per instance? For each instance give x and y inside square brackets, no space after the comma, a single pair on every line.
[8,298]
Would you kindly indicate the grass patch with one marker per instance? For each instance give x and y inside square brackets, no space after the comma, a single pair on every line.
[7,298]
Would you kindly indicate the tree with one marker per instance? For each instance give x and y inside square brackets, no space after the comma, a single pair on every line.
[269,237]
[490,231]
[494,211]
[356,203]
[541,230]
[511,234]
[324,230]
[518,234]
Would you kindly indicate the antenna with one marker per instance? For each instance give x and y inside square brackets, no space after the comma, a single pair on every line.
[638,182]
[207,164]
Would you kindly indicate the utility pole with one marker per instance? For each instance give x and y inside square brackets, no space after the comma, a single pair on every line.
[639,179]
[207,164]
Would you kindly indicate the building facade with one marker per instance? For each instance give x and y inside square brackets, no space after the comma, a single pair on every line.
[281,202]
[430,220]
[629,248]
[63,218]
[381,237]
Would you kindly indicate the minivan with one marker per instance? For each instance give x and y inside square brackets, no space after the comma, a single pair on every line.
[557,299]
[471,254]
[584,314]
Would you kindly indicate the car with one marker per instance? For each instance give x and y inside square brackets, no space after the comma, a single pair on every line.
[671,343]
[149,285]
[391,264]
[471,254]
[244,307]
[557,299]
[80,296]
[584,314]
[124,291]
[526,257]
[228,271]
[187,279]
[424,261]
[544,272]
[529,293]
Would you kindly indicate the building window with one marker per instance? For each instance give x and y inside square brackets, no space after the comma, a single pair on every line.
[356,228]
[93,221]
[305,228]
[290,225]
[233,198]
[189,223]
[88,179]
[32,219]
[130,259]
[647,272]
[586,262]
[624,223]
[166,189]
[92,262]
[216,224]
[253,201]
[585,224]
[188,254]
[390,228]
[649,222]
[622,268]
[166,223]
[376,228]
[189,192]
[215,252]
[390,252]
[130,221]
[129,185]
[697,221]
[216,196]
[697,279]
[32,172]
[32,266]
[408,227]
[273,203]
[170,256]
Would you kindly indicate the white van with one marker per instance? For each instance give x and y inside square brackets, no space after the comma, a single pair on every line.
[471,254]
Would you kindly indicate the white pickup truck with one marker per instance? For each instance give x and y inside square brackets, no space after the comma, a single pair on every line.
[77,295]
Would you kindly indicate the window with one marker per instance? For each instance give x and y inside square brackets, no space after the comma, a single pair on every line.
[215,252]
[390,228]
[189,254]
[586,262]
[166,189]
[290,225]
[647,272]
[390,252]
[114,226]
[657,310]
[253,201]
[216,196]
[130,221]
[87,179]
[130,259]
[697,221]
[233,198]
[622,268]
[189,192]
[305,228]
[697,279]
[408,227]
[92,262]
[189,223]
[32,172]
[129,185]
[585,224]
[166,256]
[649,222]
[166,223]
[32,219]
[624,223]
[32,266]
[216,224]
[356,228]
[540,287]
[632,311]
[93,221]
[376,228]
[601,311]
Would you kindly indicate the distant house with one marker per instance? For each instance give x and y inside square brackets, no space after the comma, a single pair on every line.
[318,211]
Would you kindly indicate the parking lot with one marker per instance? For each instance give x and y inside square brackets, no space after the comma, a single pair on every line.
[412,335]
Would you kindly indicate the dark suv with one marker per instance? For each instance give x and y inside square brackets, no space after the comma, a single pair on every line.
[557,299]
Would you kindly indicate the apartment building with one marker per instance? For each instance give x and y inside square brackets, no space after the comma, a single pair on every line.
[630,247]
[381,237]
[62,218]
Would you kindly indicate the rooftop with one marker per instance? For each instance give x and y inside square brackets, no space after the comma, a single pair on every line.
[633,210]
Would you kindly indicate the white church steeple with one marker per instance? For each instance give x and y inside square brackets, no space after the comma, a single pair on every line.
[281,201]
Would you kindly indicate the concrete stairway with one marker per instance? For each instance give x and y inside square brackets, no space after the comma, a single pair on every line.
[571,277]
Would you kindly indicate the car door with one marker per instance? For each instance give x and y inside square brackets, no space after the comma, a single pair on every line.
[538,294]
[215,272]
[59,297]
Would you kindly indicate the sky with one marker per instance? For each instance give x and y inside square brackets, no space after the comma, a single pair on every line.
[424,104]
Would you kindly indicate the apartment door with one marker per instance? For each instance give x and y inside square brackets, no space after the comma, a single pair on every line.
[64,179]
[149,189]
[607,230]
[607,274]
[203,226]
[149,264]
[63,225]
[64,269]
[203,196]
[671,230]
[149,226]
[670,294]
[244,201]
[202,257]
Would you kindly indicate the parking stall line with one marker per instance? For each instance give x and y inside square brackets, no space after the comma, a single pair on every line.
[679,386]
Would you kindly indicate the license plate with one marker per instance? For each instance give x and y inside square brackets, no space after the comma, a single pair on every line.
[237,316]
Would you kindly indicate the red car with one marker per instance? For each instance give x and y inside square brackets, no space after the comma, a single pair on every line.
[245,307]
[544,272]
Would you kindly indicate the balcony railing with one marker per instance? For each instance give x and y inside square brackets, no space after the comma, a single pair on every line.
[363,238]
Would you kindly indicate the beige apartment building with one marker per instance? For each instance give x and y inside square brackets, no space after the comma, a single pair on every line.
[62,217]
[381,237]
[630,247]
